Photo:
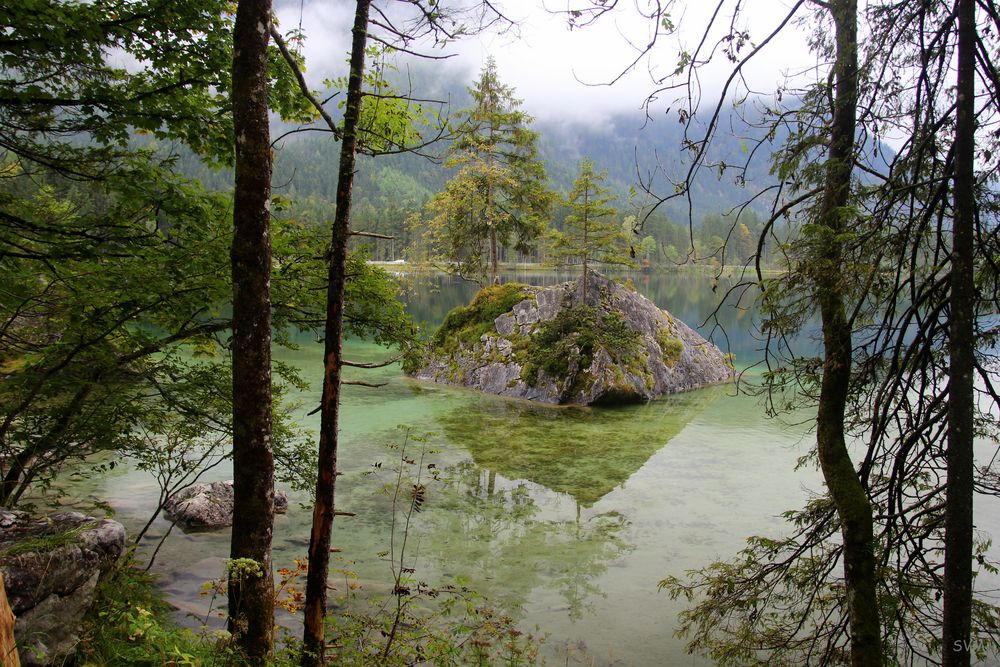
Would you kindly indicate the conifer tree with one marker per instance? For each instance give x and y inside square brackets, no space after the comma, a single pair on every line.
[590,233]
[499,194]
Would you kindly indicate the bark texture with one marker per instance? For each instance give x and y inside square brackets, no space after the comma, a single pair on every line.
[8,648]
[849,495]
[956,633]
[323,509]
[251,595]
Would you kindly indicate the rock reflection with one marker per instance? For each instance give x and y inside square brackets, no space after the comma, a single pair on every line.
[521,516]
[582,452]
[495,534]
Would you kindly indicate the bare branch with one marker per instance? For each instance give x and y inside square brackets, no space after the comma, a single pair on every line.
[359,383]
[373,364]
[372,235]
[303,87]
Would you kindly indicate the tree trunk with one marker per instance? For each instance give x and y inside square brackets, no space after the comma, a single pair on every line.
[850,497]
[494,273]
[586,243]
[323,510]
[8,648]
[957,622]
[251,596]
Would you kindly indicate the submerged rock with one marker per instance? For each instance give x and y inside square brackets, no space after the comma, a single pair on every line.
[558,345]
[50,568]
[210,506]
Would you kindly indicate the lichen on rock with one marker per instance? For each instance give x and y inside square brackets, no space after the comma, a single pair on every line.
[51,567]
[558,345]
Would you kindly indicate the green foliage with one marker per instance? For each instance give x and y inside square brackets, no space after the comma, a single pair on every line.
[120,332]
[130,624]
[389,121]
[759,607]
[60,81]
[283,94]
[107,318]
[115,269]
[373,310]
[671,346]
[869,251]
[590,233]
[45,543]
[566,344]
[499,196]
[466,324]
[239,568]
[647,247]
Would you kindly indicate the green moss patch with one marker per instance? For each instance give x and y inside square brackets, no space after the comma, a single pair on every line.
[571,338]
[671,346]
[465,325]
[46,542]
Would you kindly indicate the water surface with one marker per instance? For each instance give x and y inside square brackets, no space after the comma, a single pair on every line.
[566,517]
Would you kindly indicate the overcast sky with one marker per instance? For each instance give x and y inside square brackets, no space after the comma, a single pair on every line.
[558,72]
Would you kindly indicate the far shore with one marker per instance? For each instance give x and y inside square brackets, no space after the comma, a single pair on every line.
[728,271]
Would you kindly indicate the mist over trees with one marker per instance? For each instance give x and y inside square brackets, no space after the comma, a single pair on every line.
[129,301]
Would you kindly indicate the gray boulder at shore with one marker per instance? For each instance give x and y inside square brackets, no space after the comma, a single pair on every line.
[51,567]
[663,354]
[210,506]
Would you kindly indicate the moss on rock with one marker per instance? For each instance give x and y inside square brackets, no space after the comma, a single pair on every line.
[568,342]
[670,345]
[564,344]
[465,325]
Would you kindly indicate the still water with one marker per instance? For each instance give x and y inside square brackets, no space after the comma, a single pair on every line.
[567,518]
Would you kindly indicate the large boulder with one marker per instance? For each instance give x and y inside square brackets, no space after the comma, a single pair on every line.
[208,506]
[564,345]
[50,568]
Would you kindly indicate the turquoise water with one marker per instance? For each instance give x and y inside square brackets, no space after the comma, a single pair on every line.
[567,518]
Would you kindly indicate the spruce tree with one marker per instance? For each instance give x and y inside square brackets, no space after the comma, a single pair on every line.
[498,196]
[590,233]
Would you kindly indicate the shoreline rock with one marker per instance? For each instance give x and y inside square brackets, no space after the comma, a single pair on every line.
[209,506]
[51,567]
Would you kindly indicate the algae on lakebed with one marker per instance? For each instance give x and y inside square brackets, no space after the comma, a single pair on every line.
[583,452]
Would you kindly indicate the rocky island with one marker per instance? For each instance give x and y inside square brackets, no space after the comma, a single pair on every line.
[570,344]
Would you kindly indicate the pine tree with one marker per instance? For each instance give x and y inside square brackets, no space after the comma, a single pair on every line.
[590,233]
[498,196]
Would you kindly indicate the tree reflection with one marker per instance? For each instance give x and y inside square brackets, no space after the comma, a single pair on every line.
[498,538]
[582,452]
[502,518]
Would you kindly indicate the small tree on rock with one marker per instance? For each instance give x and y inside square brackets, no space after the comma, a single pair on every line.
[499,194]
[590,233]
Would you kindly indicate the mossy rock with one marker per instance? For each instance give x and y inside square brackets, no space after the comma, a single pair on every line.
[465,325]
[561,345]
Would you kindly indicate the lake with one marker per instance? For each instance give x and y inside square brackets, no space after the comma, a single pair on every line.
[565,517]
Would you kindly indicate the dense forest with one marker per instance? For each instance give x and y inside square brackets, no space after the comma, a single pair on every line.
[180,209]
[389,188]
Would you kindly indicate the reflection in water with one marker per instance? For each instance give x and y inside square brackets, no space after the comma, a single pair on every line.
[582,452]
[571,515]
[488,521]
[496,535]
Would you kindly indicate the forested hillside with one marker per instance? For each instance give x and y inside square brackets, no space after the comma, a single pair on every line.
[640,154]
